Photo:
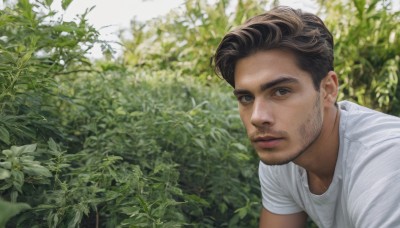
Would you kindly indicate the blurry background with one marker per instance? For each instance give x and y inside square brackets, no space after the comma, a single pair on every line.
[113,18]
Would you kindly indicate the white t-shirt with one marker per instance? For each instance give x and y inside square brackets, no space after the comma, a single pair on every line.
[365,190]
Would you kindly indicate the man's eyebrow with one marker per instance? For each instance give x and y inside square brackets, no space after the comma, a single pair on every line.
[281,80]
[238,92]
[268,85]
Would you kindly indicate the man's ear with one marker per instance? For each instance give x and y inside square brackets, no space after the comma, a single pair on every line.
[330,87]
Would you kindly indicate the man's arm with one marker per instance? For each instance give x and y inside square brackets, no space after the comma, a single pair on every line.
[271,220]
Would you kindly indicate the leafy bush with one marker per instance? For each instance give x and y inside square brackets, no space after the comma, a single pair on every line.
[185,39]
[367,52]
[186,139]
[171,154]
[35,48]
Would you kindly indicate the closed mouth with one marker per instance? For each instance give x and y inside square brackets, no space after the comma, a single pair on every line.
[266,138]
[267,142]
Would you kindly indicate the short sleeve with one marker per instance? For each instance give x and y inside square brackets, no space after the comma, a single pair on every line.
[274,198]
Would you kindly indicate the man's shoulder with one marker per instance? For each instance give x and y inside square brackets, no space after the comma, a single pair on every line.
[370,147]
[366,126]
[368,140]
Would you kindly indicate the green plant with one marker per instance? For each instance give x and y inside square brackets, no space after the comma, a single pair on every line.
[177,129]
[185,40]
[18,167]
[35,49]
[8,210]
[367,52]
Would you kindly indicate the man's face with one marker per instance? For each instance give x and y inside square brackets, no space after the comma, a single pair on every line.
[278,104]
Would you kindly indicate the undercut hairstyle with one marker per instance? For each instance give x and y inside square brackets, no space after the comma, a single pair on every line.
[303,34]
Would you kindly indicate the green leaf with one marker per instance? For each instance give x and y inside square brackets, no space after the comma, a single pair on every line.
[25,58]
[49,2]
[9,210]
[65,4]
[77,218]
[37,170]
[6,164]
[18,150]
[242,212]
[197,199]
[53,145]
[4,135]
[9,153]
[360,4]
[200,143]
[4,174]
[19,178]
[45,206]
[24,4]
[240,147]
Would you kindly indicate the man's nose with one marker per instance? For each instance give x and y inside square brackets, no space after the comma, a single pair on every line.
[262,114]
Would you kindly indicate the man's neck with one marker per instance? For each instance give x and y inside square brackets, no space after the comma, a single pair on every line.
[320,158]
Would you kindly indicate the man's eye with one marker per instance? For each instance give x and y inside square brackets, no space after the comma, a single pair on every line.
[281,92]
[245,99]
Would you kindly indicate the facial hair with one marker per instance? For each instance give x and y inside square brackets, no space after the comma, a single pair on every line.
[309,130]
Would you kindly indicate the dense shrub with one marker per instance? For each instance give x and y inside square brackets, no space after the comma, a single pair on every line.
[154,151]
[186,138]
[367,52]
[185,39]
[110,147]
[35,49]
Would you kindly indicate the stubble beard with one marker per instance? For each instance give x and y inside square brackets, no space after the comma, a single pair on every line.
[310,130]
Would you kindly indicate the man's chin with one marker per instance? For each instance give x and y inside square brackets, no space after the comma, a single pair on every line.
[269,158]
[275,162]
[272,160]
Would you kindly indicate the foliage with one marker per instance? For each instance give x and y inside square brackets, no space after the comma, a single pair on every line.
[35,48]
[169,155]
[9,210]
[151,141]
[367,52]
[185,138]
[117,161]
[185,40]
[19,162]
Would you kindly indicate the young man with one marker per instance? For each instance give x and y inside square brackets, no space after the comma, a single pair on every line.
[338,163]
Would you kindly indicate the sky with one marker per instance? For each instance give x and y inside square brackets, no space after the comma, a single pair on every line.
[109,17]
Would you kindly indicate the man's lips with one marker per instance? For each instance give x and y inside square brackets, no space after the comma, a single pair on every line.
[267,142]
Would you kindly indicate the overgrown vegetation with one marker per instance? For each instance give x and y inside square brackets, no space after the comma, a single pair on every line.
[151,139]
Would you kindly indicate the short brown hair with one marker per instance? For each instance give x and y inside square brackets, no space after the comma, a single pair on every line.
[304,34]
